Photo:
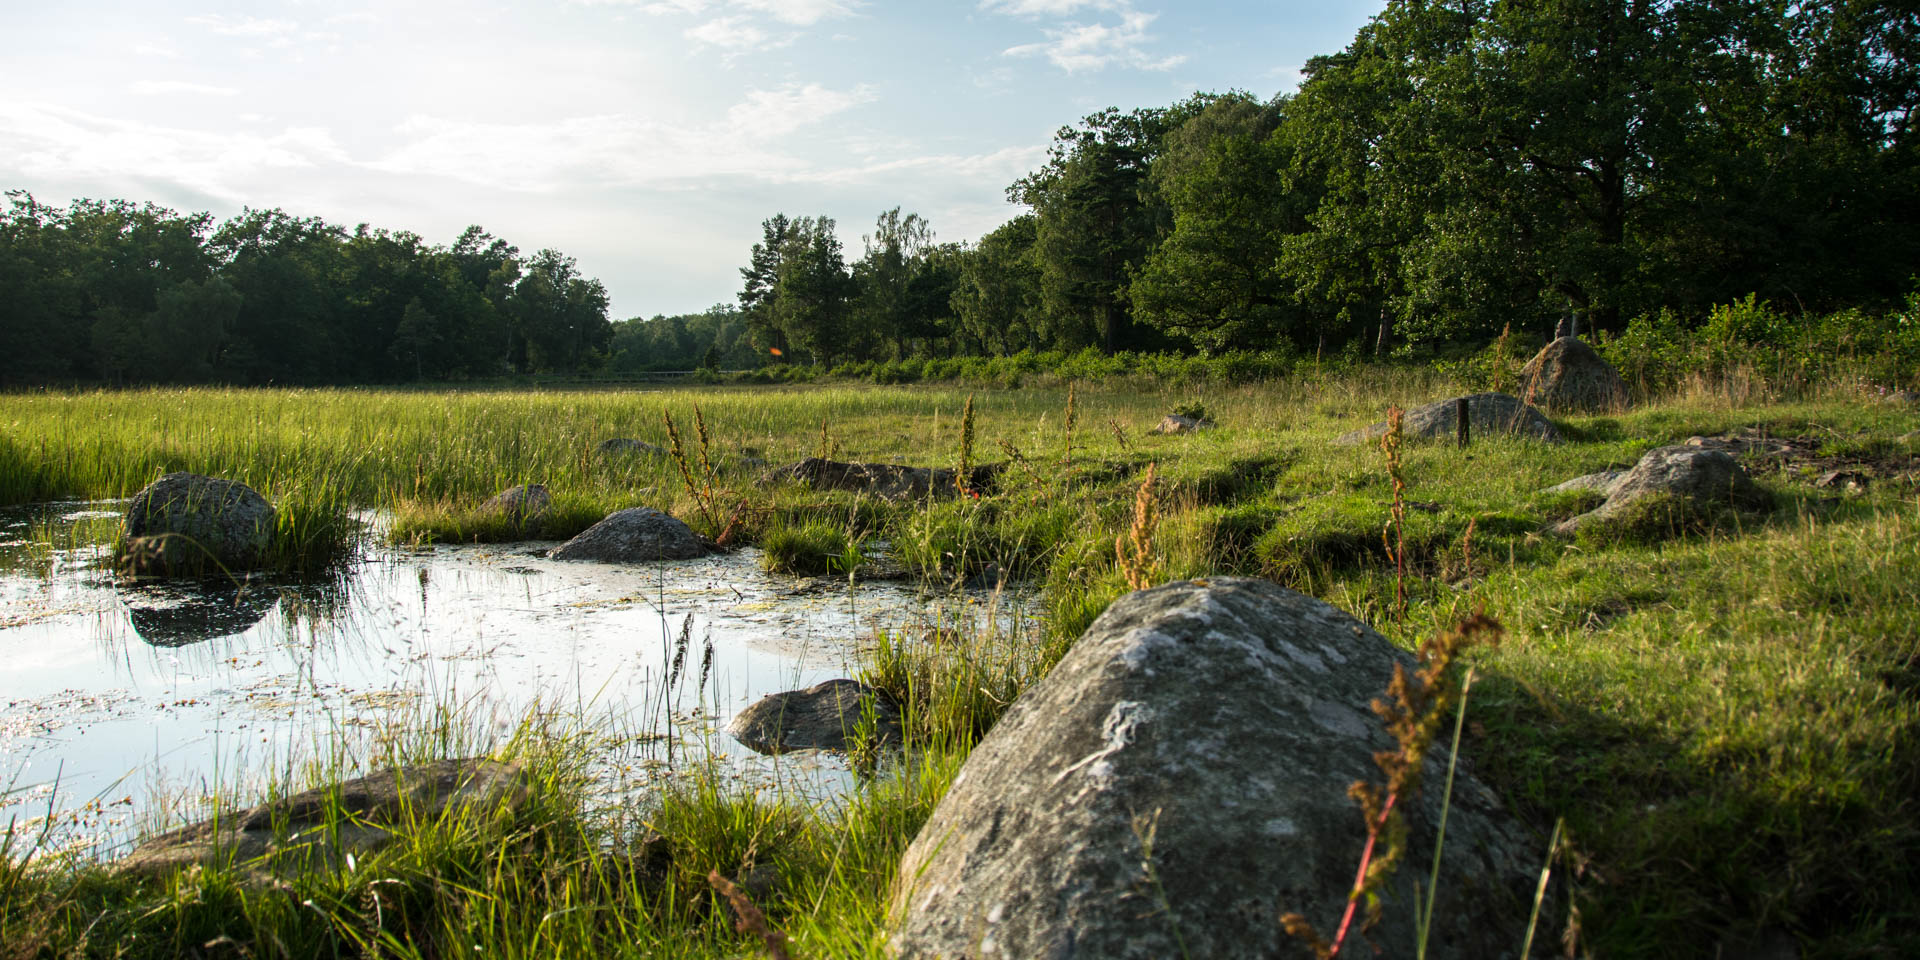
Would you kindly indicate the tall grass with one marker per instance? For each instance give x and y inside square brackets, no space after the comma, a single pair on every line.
[1727,717]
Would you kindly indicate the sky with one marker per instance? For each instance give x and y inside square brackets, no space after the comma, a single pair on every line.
[646,138]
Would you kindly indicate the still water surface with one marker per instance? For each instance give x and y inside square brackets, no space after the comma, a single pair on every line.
[124,704]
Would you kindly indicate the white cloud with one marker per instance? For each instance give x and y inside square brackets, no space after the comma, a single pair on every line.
[999,167]
[800,13]
[1093,46]
[730,33]
[155,88]
[157,48]
[1047,8]
[620,149]
[772,113]
[50,142]
[245,27]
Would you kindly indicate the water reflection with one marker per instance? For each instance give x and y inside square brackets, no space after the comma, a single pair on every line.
[177,613]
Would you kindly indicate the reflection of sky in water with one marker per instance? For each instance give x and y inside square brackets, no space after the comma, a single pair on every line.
[150,691]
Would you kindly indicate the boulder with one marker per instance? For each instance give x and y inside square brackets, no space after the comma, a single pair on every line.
[323,825]
[1695,476]
[820,717]
[524,506]
[1602,483]
[888,481]
[634,535]
[186,524]
[1175,423]
[1569,376]
[1224,719]
[1488,414]
[627,446]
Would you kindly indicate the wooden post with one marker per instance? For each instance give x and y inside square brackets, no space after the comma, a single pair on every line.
[1461,416]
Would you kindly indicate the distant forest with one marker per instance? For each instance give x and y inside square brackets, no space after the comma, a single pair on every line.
[1460,167]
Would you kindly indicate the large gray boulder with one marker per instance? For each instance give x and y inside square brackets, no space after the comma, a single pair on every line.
[187,524]
[321,826]
[1227,718]
[1488,414]
[888,481]
[1695,478]
[1568,376]
[634,535]
[821,717]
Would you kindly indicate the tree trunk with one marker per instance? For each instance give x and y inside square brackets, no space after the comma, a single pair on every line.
[1380,342]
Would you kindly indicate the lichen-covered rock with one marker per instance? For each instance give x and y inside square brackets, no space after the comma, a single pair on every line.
[323,825]
[634,535]
[821,717]
[1488,414]
[1697,477]
[888,481]
[1567,375]
[1601,483]
[188,524]
[524,506]
[1225,719]
[1175,423]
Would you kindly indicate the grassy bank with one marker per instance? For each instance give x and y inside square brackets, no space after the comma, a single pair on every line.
[1724,711]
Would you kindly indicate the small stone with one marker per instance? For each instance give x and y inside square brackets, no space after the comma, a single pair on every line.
[1852,480]
[821,717]
[634,535]
[1488,414]
[1176,423]
[523,506]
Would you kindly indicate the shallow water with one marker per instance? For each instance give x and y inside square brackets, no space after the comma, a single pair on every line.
[124,704]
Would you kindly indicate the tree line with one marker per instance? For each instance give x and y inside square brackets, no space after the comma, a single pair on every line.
[112,291]
[1460,167]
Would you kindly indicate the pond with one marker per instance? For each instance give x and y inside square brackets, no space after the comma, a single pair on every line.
[127,704]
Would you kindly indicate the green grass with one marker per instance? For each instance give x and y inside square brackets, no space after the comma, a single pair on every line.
[1723,709]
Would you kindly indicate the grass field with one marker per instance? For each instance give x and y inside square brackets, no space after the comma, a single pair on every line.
[1723,712]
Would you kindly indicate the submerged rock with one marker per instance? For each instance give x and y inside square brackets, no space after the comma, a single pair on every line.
[634,535]
[1695,477]
[1567,375]
[889,481]
[321,826]
[821,717]
[524,506]
[187,524]
[1488,414]
[1224,719]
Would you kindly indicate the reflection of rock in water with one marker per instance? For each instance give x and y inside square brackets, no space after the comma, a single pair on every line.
[180,612]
